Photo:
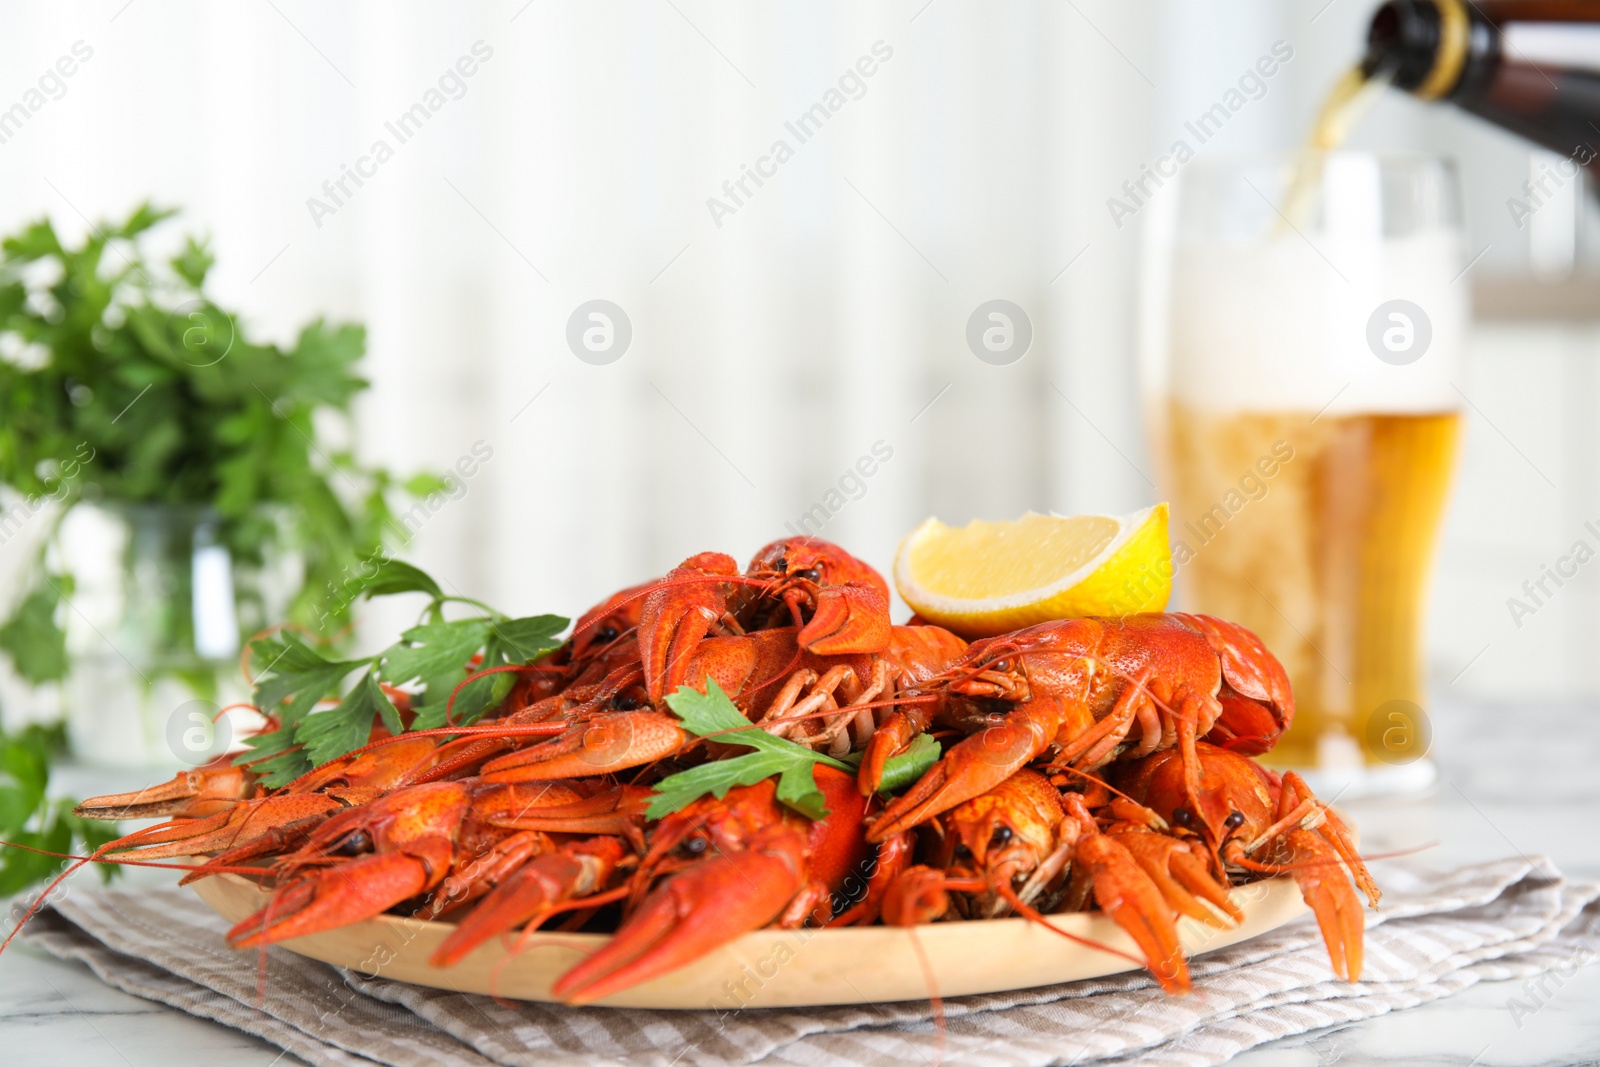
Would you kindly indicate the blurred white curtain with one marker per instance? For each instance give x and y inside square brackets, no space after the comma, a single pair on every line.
[826,314]
[769,354]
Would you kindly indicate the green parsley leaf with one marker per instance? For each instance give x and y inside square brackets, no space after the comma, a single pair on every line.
[434,655]
[24,773]
[20,868]
[145,390]
[420,485]
[903,770]
[392,576]
[510,641]
[522,640]
[330,734]
[430,660]
[194,262]
[294,676]
[712,712]
[716,778]
[275,757]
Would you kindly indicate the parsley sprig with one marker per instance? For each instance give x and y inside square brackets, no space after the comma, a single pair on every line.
[429,661]
[711,714]
[122,380]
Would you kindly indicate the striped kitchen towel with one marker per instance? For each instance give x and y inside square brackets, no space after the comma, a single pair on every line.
[1437,933]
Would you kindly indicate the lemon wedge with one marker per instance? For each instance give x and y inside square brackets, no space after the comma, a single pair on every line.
[986,578]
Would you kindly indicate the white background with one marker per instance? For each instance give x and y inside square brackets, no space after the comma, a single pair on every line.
[826,314]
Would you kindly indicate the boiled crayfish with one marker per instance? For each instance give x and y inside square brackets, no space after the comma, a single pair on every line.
[1083,764]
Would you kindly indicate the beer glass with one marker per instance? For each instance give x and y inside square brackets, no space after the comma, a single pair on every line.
[1303,341]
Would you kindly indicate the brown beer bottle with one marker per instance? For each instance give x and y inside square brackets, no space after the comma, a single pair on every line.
[1528,66]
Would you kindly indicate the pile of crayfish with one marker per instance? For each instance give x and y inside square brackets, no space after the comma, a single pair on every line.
[1083,763]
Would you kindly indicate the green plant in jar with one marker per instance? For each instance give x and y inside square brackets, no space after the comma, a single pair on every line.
[123,383]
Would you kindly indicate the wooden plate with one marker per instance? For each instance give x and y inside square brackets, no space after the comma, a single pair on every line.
[771,968]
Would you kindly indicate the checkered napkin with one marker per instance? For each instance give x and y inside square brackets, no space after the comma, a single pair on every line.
[1437,933]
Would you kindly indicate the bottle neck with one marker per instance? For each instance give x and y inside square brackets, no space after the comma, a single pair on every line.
[1431,48]
[1454,50]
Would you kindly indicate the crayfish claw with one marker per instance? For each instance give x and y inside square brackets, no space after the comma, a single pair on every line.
[890,739]
[691,913]
[331,897]
[216,787]
[532,893]
[678,615]
[233,829]
[1183,878]
[849,619]
[603,745]
[1327,889]
[1128,896]
[973,766]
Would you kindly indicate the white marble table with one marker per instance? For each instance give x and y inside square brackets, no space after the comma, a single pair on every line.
[1512,781]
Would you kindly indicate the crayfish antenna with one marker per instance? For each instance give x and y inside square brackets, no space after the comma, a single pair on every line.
[97,856]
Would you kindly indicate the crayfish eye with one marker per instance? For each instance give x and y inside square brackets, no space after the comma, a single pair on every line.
[810,574]
[963,852]
[1234,820]
[624,702]
[607,633]
[1002,835]
[1002,665]
[354,845]
[696,845]
[1182,817]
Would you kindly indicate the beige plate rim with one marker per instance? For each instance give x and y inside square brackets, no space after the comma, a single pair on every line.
[772,968]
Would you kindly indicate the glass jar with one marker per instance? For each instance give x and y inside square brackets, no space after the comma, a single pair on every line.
[157,614]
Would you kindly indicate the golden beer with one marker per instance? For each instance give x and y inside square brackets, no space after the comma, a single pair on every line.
[1304,408]
[1318,533]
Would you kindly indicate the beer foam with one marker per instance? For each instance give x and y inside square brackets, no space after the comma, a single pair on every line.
[1282,324]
